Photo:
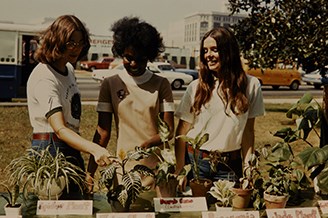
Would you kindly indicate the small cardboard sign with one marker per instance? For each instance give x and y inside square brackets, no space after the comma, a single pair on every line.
[309,212]
[180,204]
[230,214]
[64,207]
[323,204]
[125,215]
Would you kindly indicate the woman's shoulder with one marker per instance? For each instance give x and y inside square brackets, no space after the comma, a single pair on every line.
[252,80]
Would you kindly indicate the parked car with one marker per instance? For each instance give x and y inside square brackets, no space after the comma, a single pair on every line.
[100,75]
[177,80]
[191,72]
[279,76]
[102,63]
[314,77]
[168,67]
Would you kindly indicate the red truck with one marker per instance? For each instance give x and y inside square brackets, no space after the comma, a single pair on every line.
[102,63]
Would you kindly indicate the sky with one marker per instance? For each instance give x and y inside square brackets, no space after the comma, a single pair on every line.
[98,15]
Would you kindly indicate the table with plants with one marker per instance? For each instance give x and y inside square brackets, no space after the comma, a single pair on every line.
[274,176]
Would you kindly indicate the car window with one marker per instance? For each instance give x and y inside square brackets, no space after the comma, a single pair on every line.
[153,69]
[166,67]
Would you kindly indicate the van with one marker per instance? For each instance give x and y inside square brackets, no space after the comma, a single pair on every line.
[280,76]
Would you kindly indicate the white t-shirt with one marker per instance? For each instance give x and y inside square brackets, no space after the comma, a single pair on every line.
[225,132]
[47,92]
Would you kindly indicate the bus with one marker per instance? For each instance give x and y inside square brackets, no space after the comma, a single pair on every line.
[18,43]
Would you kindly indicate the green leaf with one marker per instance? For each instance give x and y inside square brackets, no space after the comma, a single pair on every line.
[313,156]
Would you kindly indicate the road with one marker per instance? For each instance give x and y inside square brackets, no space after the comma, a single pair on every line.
[90,89]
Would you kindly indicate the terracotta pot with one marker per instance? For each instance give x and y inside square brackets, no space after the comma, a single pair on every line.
[275,201]
[242,197]
[167,190]
[13,211]
[54,192]
[201,187]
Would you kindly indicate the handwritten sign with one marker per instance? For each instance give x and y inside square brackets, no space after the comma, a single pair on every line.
[125,215]
[230,214]
[180,204]
[6,216]
[308,212]
[323,204]
[64,207]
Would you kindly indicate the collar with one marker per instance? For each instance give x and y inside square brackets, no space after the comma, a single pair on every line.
[136,79]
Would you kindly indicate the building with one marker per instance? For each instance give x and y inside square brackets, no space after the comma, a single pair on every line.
[186,36]
[196,25]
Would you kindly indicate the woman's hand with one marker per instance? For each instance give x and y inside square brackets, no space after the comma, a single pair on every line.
[102,156]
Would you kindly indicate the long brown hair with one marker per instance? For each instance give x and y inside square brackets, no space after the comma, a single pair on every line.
[232,77]
[54,38]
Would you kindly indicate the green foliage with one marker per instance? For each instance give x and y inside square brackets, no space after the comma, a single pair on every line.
[281,174]
[308,114]
[196,143]
[288,31]
[222,191]
[130,186]
[38,169]
[166,166]
[251,173]
[13,192]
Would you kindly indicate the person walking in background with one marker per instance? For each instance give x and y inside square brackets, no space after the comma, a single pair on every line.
[135,96]
[223,102]
[54,102]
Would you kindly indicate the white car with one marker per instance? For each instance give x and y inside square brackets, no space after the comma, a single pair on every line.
[177,80]
[314,78]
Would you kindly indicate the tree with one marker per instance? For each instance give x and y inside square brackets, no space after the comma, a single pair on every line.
[283,30]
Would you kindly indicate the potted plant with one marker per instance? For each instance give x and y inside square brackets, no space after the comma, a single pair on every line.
[244,188]
[309,116]
[12,208]
[44,174]
[166,180]
[222,192]
[282,175]
[122,192]
[199,186]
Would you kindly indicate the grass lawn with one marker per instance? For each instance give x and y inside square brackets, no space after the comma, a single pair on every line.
[16,131]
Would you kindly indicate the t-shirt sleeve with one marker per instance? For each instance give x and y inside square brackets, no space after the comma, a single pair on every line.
[166,97]
[104,98]
[256,107]
[48,96]
[183,110]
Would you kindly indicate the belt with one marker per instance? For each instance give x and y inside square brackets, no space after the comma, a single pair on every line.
[231,155]
[45,136]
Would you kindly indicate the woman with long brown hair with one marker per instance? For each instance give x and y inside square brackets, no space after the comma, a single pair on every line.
[223,102]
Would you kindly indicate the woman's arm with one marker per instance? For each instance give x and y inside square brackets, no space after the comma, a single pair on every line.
[247,143]
[101,137]
[74,140]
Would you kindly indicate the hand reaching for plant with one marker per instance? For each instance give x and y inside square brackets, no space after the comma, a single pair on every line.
[102,156]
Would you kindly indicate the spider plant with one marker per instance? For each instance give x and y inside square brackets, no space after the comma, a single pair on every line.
[13,194]
[38,169]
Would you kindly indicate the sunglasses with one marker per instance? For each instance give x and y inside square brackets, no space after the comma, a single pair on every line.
[73,45]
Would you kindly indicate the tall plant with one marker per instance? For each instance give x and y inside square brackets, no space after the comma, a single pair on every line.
[196,144]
